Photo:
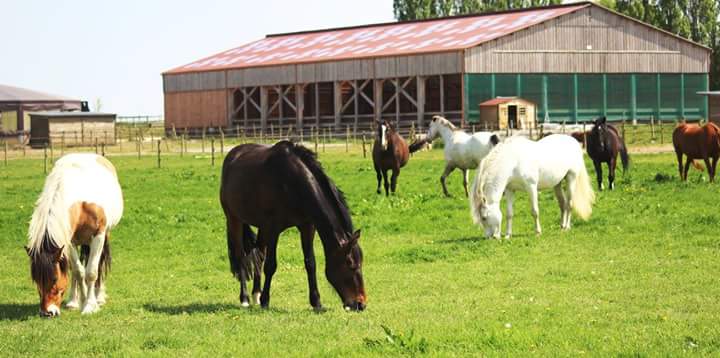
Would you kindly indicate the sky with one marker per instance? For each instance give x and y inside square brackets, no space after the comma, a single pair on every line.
[115,51]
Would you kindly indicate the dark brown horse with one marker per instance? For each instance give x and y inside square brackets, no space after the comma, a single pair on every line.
[281,186]
[697,143]
[603,146]
[390,152]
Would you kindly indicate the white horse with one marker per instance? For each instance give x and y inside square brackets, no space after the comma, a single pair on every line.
[522,164]
[462,151]
[80,203]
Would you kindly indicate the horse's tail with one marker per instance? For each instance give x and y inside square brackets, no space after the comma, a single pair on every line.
[624,156]
[244,256]
[697,165]
[476,196]
[417,145]
[583,195]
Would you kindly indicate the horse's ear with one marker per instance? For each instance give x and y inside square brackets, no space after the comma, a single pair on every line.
[494,139]
[59,254]
[602,120]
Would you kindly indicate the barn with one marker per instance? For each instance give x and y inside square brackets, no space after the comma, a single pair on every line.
[16,103]
[574,61]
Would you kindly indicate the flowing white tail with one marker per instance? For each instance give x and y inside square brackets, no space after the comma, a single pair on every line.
[583,195]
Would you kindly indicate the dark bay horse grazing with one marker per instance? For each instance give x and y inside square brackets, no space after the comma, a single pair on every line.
[697,143]
[603,146]
[390,152]
[281,186]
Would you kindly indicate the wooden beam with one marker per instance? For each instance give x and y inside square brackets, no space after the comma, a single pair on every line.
[363,95]
[355,99]
[442,96]
[397,102]
[378,94]
[420,102]
[337,94]
[317,106]
[300,102]
[263,108]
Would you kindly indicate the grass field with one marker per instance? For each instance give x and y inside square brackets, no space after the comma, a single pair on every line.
[639,278]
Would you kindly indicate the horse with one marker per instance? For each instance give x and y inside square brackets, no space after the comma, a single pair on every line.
[390,152]
[462,151]
[697,143]
[522,164]
[277,187]
[79,205]
[603,145]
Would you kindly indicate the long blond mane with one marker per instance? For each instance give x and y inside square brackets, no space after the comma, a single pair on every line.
[50,216]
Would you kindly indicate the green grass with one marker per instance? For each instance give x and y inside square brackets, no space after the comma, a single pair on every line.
[639,278]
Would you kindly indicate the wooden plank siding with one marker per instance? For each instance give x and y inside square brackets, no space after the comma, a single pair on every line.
[591,40]
[194,81]
[196,109]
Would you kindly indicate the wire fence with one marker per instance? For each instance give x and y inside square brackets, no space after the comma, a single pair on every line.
[153,143]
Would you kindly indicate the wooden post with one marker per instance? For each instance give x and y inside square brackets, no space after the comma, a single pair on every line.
[347,139]
[202,139]
[652,128]
[634,131]
[622,128]
[222,141]
[45,159]
[103,149]
[584,136]
[337,103]
[62,143]
[315,136]
[420,85]
[563,126]
[530,128]
[325,139]
[182,145]
[212,150]
[5,149]
[139,147]
[272,131]
[52,152]
[158,153]
[96,148]
[363,146]
[661,130]
[237,133]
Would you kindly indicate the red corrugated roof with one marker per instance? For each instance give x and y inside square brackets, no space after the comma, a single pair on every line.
[496,101]
[402,38]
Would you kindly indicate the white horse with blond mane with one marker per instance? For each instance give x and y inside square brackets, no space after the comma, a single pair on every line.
[462,150]
[522,164]
[80,203]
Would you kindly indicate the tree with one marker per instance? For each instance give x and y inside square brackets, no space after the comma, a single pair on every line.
[427,9]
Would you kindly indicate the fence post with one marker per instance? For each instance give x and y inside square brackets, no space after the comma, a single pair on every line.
[45,159]
[272,131]
[182,145]
[158,152]
[62,143]
[222,141]
[363,145]
[203,140]
[661,130]
[325,139]
[314,135]
[652,128]
[634,126]
[622,128]
[96,148]
[5,150]
[212,150]
[584,136]
[139,147]
[52,153]
[102,147]
[563,126]
[347,139]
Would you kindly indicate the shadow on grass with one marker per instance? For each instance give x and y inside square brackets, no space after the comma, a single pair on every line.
[201,308]
[17,311]
[475,240]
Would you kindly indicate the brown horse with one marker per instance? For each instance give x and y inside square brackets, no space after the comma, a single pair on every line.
[281,186]
[697,143]
[390,152]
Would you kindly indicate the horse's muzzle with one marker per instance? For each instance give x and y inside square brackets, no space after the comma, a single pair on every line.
[355,306]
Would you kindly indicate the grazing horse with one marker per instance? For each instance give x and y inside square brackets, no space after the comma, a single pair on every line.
[462,151]
[697,143]
[390,152]
[603,145]
[522,164]
[281,186]
[80,202]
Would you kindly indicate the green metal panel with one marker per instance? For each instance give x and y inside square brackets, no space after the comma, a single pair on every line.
[666,96]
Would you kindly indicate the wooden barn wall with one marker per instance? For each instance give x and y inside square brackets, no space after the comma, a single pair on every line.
[194,81]
[196,109]
[592,40]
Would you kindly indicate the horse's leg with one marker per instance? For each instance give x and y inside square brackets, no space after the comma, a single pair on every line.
[393,179]
[598,173]
[533,191]
[612,164]
[101,295]
[379,179]
[714,168]
[687,167]
[562,202]
[235,255]
[307,234]
[271,239]
[448,169]
[465,181]
[91,272]
[78,290]
[509,198]
[680,163]
[385,182]
[711,174]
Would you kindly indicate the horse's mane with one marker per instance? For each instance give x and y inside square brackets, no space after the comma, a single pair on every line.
[333,195]
[49,221]
[42,264]
[445,122]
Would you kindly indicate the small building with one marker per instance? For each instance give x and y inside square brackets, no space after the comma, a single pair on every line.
[71,128]
[507,112]
[16,103]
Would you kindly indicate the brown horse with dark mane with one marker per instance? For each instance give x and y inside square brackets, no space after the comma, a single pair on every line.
[281,186]
[604,143]
[697,143]
[390,152]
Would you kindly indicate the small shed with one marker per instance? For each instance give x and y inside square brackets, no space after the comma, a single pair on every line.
[507,112]
[71,128]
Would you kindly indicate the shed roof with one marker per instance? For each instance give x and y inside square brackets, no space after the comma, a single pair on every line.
[17,94]
[388,39]
[502,100]
[75,114]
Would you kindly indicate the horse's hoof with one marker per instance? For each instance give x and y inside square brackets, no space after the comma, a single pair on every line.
[319,309]
[244,304]
[73,305]
[90,308]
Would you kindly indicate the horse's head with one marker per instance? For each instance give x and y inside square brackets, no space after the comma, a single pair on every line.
[490,218]
[435,124]
[599,131]
[383,132]
[344,271]
[49,271]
